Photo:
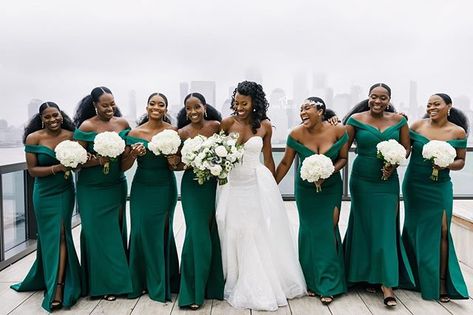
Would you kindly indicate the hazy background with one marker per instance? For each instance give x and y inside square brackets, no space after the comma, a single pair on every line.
[59,50]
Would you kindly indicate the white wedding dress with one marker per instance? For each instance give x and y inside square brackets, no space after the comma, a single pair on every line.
[260,263]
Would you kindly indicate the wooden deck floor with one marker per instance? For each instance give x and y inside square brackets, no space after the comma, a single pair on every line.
[354,302]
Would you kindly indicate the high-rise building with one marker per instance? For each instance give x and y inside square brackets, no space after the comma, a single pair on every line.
[207,89]
[277,113]
[183,91]
[33,107]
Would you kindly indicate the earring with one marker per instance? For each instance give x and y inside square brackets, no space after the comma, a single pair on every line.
[42,124]
[448,113]
[96,112]
[187,116]
[205,113]
[387,107]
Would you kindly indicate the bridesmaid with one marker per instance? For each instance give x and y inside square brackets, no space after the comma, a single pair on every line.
[320,251]
[56,269]
[201,261]
[428,204]
[154,265]
[374,252]
[101,199]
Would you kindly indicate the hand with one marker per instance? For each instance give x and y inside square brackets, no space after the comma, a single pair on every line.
[320,182]
[388,170]
[102,159]
[173,160]
[137,149]
[333,120]
[439,168]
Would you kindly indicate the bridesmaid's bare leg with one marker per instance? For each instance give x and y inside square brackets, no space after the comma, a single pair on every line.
[444,260]
[58,296]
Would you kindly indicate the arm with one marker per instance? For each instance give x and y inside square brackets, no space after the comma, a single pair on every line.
[459,162]
[32,162]
[285,164]
[351,135]
[405,140]
[267,150]
[130,154]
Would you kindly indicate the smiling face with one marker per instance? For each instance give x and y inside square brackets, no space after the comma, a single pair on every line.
[156,107]
[51,118]
[195,110]
[309,114]
[437,108]
[378,100]
[243,105]
[105,106]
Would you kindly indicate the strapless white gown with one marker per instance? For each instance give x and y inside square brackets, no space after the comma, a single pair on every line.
[260,262]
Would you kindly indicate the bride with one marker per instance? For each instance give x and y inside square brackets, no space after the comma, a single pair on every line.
[258,253]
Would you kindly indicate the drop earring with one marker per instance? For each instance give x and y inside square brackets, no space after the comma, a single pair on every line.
[448,113]
[205,114]
[42,124]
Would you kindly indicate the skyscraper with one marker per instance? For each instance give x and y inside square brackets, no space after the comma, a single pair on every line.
[33,107]
[183,91]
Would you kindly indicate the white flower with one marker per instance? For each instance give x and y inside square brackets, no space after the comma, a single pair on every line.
[391,152]
[166,142]
[190,149]
[221,151]
[109,144]
[440,153]
[70,153]
[215,170]
[315,167]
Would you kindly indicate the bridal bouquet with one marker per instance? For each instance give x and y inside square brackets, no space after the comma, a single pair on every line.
[214,156]
[441,153]
[108,144]
[316,167]
[70,154]
[392,153]
[166,142]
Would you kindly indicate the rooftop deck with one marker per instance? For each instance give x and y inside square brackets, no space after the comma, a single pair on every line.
[354,302]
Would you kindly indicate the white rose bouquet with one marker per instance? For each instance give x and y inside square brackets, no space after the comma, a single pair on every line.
[214,156]
[316,167]
[167,142]
[440,153]
[108,144]
[392,153]
[70,154]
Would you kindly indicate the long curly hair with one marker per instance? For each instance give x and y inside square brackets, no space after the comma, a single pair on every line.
[86,109]
[144,118]
[363,105]
[455,116]
[258,97]
[36,123]
[212,113]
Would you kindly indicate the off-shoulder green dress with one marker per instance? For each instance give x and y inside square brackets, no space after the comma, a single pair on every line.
[320,245]
[154,264]
[425,202]
[101,199]
[201,259]
[374,252]
[53,201]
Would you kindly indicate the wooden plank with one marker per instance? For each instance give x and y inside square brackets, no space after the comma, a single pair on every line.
[205,309]
[414,302]
[282,310]
[222,307]
[121,306]
[17,271]
[31,306]
[147,306]
[84,306]
[468,276]
[349,303]
[10,299]
[459,307]
[308,305]
[374,302]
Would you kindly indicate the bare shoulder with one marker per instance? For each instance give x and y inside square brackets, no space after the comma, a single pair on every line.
[214,124]
[296,132]
[359,116]
[184,132]
[417,124]
[339,130]
[33,138]
[170,127]
[135,132]
[226,123]
[68,134]
[87,125]
[459,132]
[266,124]
[122,122]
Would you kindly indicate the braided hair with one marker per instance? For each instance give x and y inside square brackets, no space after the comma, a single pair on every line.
[259,101]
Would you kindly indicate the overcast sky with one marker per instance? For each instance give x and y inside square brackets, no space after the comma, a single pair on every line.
[59,50]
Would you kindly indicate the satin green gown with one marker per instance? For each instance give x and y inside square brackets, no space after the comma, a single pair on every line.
[53,201]
[320,245]
[374,252]
[101,199]
[154,264]
[425,201]
[201,259]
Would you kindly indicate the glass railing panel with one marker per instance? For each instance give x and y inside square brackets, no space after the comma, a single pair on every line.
[14,215]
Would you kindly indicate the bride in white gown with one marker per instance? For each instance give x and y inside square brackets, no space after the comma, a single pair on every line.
[260,262]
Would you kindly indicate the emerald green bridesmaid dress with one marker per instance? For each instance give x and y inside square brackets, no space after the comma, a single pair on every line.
[374,252]
[53,201]
[101,199]
[320,245]
[425,202]
[154,264]
[201,259]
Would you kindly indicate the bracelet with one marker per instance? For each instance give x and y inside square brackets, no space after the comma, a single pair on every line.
[52,170]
